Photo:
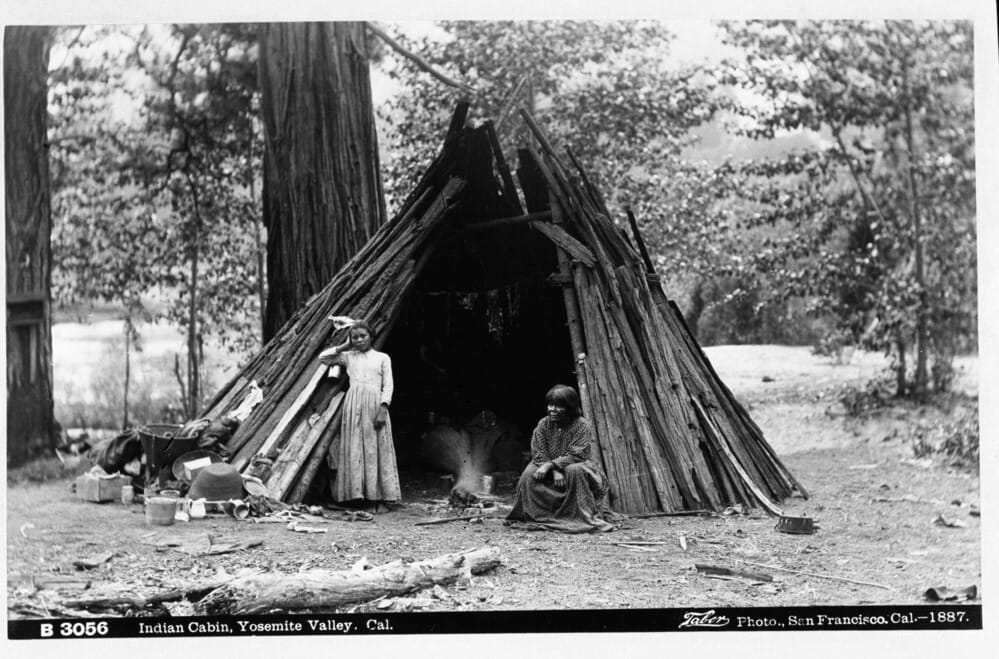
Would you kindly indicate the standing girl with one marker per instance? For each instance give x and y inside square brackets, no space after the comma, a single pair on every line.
[364,454]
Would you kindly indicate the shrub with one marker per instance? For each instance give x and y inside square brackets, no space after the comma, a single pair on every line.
[835,343]
[874,395]
[956,439]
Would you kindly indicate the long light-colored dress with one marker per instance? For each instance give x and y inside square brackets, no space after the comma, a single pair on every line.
[365,457]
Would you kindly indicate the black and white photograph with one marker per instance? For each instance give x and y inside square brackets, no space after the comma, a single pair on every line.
[601,328]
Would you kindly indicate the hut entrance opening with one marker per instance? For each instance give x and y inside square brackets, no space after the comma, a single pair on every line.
[483,329]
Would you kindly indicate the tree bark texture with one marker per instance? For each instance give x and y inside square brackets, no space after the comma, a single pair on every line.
[326,590]
[30,422]
[322,193]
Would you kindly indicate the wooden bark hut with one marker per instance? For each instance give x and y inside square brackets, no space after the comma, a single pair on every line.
[513,289]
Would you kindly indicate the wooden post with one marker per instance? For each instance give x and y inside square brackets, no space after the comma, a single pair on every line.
[576,338]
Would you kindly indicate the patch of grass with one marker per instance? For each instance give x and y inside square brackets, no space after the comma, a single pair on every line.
[42,470]
[836,344]
[876,394]
[956,439]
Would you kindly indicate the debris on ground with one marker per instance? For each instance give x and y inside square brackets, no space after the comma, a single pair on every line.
[58,582]
[207,545]
[632,546]
[90,562]
[940,520]
[716,570]
[945,594]
[909,498]
[816,574]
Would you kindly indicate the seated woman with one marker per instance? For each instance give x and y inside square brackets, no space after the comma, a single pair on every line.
[560,488]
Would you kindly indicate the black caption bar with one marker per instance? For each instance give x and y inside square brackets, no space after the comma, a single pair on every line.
[829,618]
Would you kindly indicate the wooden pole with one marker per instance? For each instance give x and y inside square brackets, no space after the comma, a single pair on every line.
[641,243]
[576,337]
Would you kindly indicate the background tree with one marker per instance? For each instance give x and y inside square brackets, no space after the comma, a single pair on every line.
[609,91]
[602,89]
[157,164]
[205,103]
[322,193]
[879,221]
[30,422]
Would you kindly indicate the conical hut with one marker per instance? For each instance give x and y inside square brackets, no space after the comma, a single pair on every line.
[508,283]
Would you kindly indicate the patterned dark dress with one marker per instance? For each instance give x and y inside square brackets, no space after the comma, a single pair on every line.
[579,506]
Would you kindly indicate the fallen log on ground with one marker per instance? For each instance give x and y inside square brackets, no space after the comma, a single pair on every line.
[325,590]
[190,593]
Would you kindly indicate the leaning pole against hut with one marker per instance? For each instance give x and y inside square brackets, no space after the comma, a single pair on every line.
[669,434]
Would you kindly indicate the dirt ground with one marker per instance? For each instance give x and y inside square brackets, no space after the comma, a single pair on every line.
[882,515]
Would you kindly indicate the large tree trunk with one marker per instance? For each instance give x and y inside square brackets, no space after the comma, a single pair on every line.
[696,308]
[30,422]
[322,192]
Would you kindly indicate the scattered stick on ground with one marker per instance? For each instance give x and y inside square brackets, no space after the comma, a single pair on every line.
[635,546]
[814,574]
[463,518]
[640,542]
[732,572]
[676,513]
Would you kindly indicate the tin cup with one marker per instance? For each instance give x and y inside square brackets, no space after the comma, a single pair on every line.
[127,495]
[237,508]
[446,483]
[487,484]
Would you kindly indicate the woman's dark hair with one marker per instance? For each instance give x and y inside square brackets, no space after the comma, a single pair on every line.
[565,396]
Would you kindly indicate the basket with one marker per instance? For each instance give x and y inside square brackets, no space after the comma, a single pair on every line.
[797,525]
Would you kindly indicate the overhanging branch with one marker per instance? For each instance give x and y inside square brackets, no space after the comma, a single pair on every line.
[421,63]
